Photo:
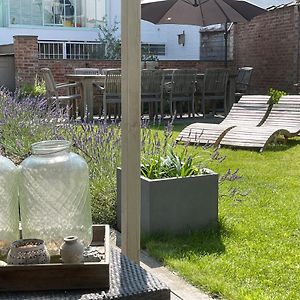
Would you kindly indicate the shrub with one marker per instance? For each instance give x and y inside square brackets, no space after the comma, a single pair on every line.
[36,90]
[275,95]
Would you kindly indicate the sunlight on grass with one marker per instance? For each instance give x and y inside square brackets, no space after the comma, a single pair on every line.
[255,252]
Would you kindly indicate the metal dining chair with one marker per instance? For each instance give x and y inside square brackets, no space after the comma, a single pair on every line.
[214,88]
[55,98]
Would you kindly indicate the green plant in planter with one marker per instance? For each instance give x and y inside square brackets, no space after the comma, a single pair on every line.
[172,165]
[275,95]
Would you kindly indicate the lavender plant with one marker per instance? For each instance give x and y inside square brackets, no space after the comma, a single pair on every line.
[27,120]
[100,145]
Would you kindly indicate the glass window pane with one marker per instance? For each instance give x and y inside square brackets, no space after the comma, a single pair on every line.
[25,12]
[70,13]
[95,12]
[59,12]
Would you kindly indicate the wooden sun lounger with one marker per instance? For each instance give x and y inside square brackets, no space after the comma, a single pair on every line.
[249,111]
[283,119]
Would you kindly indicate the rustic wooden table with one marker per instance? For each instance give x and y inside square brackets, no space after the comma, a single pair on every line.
[87,94]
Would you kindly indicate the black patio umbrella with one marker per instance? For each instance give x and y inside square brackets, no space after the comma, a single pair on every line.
[199,12]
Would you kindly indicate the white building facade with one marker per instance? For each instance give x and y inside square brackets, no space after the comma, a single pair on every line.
[77,21]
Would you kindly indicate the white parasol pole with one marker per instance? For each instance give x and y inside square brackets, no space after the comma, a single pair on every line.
[131,112]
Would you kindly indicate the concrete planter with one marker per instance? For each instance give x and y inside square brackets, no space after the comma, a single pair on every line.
[176,204]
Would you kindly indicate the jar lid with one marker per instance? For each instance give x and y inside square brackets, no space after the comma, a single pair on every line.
[49,147]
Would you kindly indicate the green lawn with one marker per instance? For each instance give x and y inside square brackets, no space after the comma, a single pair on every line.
[255,252]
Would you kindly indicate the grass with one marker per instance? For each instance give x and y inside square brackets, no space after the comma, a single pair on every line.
[255,251]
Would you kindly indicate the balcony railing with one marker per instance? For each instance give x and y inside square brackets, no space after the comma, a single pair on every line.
[83,50]
[70,50]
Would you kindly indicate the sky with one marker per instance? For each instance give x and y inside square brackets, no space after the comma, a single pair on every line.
[268,3]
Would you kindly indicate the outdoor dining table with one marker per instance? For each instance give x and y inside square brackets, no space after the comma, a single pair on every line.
[87,93]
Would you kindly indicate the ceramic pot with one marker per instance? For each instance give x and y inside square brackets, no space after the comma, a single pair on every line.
[71,251]
[28,251]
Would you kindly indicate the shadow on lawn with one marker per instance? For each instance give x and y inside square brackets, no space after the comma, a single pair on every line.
[282,146]
[197,243]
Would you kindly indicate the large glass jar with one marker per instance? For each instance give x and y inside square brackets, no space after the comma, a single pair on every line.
[9,210]
[54,195]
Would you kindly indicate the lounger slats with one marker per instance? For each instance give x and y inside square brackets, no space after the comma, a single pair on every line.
[250,111]
[284,118]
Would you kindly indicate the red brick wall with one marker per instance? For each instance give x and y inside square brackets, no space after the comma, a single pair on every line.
[26,59]
[269,43]
[28,64]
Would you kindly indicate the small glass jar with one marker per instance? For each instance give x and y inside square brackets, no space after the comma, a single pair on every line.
[9,210]
[54,195]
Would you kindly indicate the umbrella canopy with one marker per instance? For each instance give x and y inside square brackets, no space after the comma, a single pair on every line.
[199,12]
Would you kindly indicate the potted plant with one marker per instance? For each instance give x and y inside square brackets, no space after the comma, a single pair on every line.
[176,195]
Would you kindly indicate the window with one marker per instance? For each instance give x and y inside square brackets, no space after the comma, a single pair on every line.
[67,13]
[213,46]
[156,49]
[25,12]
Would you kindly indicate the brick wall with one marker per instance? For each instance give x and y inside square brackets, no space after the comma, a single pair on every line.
[28,64]
[270,43]
[26,59]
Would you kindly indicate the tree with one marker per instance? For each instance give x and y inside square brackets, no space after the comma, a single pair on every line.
[108,37]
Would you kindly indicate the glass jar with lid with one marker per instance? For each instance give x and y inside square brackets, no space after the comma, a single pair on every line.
[54,195]
[9,210]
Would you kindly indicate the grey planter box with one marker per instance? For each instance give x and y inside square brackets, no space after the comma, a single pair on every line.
[175,205]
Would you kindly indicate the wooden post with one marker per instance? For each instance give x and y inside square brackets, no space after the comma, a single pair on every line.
[131,112]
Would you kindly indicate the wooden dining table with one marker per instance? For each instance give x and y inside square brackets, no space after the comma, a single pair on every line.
[87,90]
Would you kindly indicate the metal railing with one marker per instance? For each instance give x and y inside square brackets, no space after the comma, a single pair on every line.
[70,50]
[83,50]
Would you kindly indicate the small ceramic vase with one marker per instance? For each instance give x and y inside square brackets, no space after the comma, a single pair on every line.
[71,251]
[28,251]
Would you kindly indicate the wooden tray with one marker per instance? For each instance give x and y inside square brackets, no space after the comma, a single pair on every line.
[59,276]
